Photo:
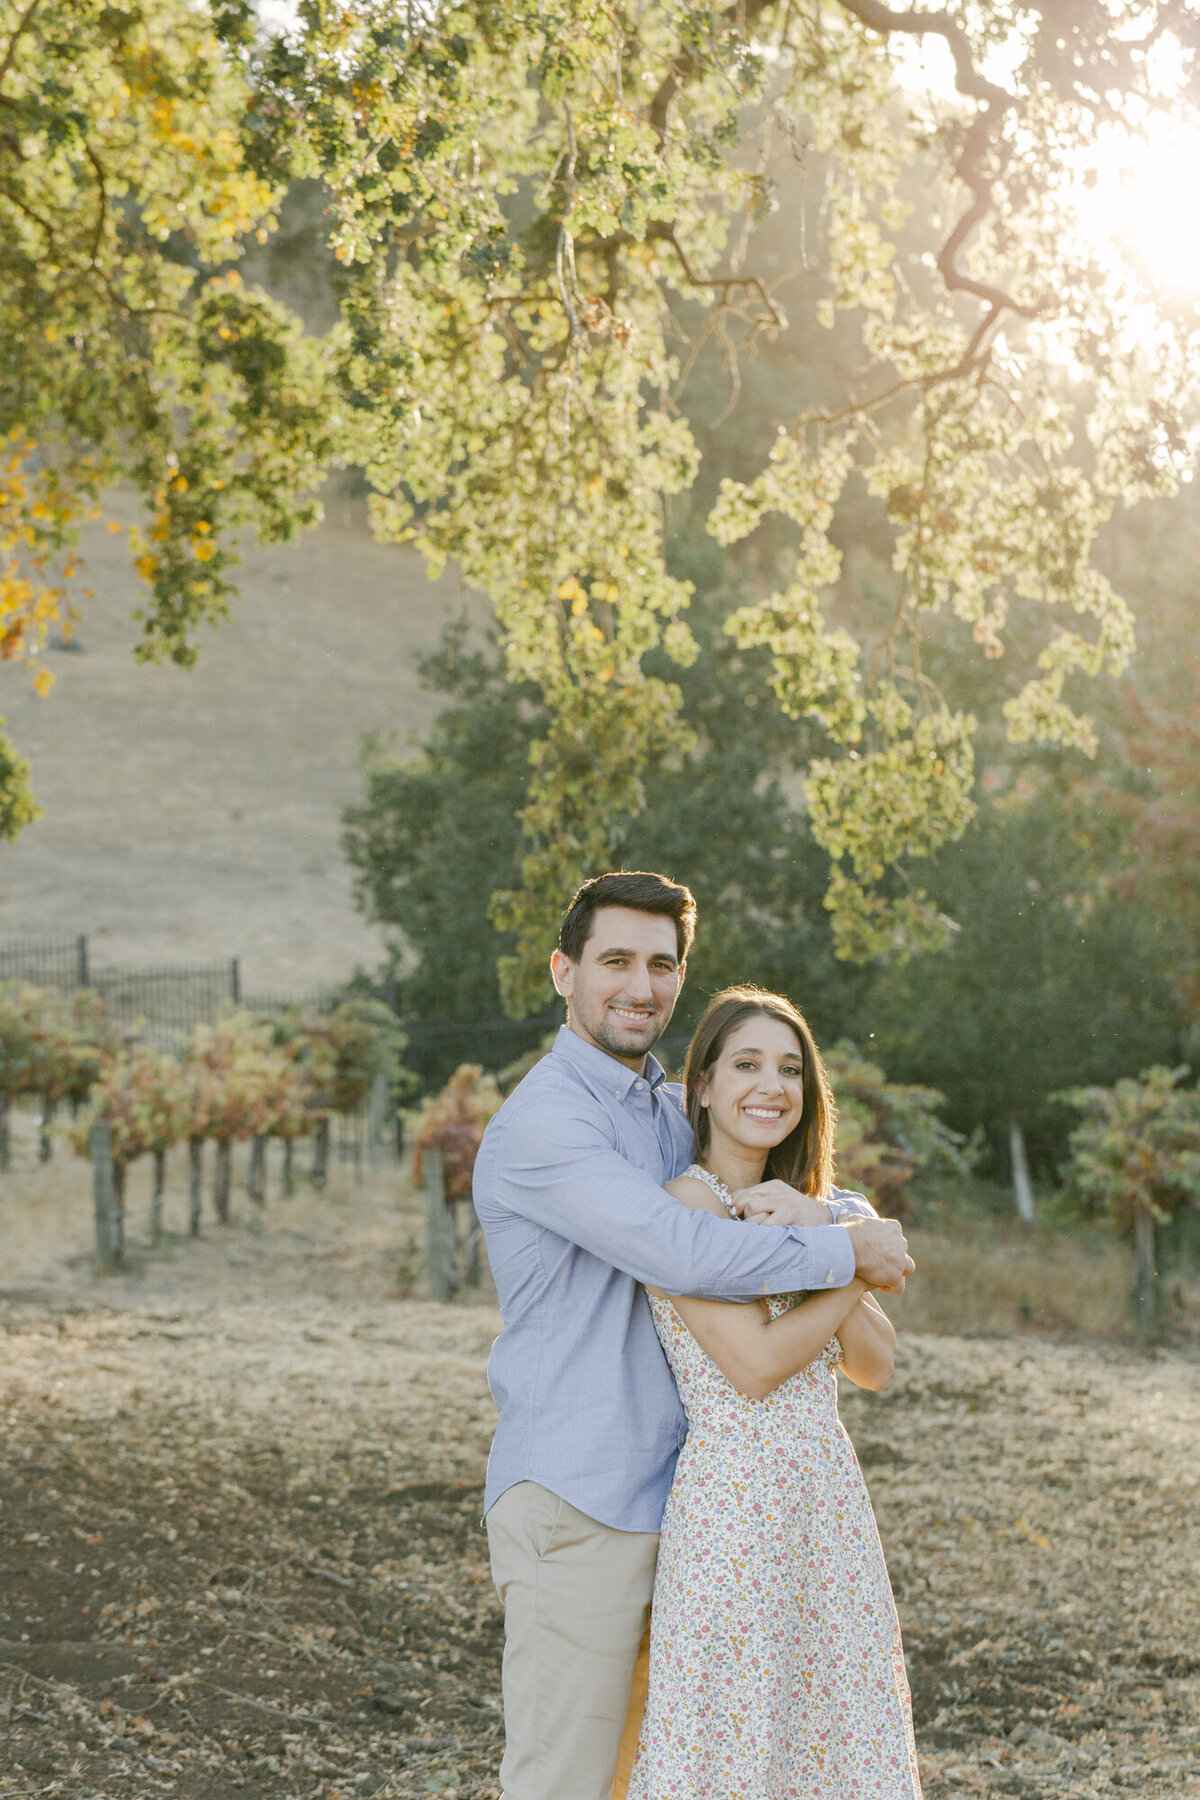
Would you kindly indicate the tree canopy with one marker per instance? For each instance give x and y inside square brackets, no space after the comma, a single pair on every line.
[130,349]
[542,216]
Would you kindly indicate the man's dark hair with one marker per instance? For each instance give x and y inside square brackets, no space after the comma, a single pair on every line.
[640,891]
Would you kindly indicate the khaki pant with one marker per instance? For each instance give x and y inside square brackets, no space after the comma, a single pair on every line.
[576,1599]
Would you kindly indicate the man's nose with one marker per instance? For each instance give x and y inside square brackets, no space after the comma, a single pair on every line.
[639,985]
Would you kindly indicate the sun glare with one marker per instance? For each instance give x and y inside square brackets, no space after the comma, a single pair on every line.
[1140,203]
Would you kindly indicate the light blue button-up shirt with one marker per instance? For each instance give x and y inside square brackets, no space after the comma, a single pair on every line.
[569,1192]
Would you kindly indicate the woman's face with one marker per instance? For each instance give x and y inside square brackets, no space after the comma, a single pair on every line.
[755,1091]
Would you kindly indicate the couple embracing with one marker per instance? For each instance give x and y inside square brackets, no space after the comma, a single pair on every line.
[668,1408]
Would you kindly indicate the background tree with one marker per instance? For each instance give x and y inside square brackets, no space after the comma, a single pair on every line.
[1053,975]
[437,829]
[521,200]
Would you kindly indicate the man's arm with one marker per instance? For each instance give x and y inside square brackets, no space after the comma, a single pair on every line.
[775,1203]
[844,1204]
[556,1166]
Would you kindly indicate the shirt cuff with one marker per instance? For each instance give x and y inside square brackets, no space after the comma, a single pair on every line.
[835,1259]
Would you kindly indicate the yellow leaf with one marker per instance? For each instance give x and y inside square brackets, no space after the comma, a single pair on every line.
[43,681]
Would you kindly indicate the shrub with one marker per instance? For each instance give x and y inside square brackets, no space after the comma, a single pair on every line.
[145,1097]
[889,1131]
[453,1122]
[1137,1149]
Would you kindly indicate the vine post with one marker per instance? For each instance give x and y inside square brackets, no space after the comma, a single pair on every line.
[100,1138]
[438,1226]
[195,1177]
[1145,1275]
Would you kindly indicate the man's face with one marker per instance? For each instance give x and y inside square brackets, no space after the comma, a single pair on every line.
[621,993]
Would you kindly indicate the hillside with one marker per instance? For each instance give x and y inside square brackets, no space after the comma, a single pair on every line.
[196,815]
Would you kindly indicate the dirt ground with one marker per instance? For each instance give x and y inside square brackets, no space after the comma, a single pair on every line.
[241,1546]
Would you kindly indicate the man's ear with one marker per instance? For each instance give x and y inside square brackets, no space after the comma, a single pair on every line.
[562,974]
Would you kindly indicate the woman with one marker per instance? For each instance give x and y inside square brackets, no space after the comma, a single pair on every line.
[776,1668]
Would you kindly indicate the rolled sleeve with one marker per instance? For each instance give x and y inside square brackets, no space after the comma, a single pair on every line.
[843,1204]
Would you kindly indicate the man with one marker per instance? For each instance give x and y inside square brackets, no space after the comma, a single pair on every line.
[569,1192]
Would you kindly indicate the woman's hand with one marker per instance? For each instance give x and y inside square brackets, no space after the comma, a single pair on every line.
[775,1203]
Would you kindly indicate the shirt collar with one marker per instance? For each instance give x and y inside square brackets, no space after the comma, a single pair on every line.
[602,1073]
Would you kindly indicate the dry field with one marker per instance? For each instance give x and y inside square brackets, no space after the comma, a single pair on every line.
[241,1549]
[195,815]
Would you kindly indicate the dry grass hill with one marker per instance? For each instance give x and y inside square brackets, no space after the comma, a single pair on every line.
[195,815]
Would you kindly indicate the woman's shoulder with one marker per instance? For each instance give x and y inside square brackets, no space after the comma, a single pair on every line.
[694,1192]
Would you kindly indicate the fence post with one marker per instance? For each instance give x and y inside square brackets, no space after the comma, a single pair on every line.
[81,961]
[1145,1274]
[156,1197]
[437,1224]
[100,1144]
[195,1174]
[377,1131]
[1022,1186]
[235,980]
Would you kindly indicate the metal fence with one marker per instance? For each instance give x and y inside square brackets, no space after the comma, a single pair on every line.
[169,1001]
[46,962]
[436,1047]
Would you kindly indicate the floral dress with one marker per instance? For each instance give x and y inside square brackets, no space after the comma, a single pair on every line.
[776,1668]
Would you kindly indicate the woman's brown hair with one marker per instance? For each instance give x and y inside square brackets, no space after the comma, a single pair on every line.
[805,1157]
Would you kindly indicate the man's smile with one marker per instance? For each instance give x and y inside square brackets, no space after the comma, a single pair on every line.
[640,1015]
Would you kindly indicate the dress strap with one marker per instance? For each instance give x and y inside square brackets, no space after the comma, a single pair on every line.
[716,1184]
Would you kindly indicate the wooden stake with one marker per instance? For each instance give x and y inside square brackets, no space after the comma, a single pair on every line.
[438,1225]
[100,1145]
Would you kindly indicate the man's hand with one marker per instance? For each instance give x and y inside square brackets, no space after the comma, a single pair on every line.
[880,1253]
[775,1203]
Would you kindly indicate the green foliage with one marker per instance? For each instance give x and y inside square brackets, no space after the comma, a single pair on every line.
[529,199]
[52,1044]
[436,830]
[146,1098]
[1052,976]
[889,1131]
[18,808]
[130,349]
[339,1054]
[1160,807]
[526,203]
[241,1085]
[1138,1148]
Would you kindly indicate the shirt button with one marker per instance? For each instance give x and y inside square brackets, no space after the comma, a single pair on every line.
[829,1278]
[639,1085]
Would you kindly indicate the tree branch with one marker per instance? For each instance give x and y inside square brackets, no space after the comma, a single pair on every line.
[19,30]
[994,103]
[742,14]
